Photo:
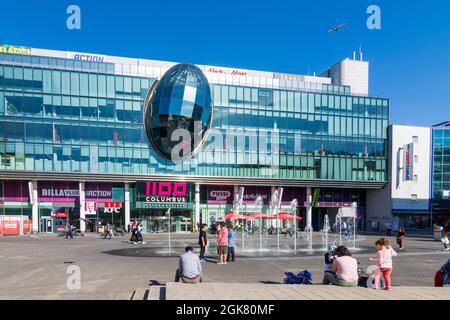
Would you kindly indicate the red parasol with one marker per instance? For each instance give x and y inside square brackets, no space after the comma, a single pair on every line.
[259,215]
[286,216]
[234,216]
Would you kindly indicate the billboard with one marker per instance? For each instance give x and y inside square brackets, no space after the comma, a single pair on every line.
[408,156]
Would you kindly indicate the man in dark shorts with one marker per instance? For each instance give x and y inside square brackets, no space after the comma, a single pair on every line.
[202,241]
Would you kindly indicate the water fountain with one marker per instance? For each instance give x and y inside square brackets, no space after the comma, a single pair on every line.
[294,204]
[237,203]
[325,231]
[258,207]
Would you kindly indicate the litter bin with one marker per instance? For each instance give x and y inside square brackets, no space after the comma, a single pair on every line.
[437,233]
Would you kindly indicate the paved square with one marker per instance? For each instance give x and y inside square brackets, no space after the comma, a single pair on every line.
[35,267]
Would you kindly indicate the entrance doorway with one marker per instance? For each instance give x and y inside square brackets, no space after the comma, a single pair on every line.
[46,225]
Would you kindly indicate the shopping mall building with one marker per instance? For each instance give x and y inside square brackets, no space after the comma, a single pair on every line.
[90,135]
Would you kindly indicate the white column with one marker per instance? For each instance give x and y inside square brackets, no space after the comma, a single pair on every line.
[197,205]
[308,209]
[82,205]
[35,206]
[127,205]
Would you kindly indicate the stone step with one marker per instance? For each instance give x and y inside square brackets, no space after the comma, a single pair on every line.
[152,293]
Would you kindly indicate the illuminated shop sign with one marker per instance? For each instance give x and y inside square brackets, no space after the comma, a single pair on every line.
[164,194]
[4,48]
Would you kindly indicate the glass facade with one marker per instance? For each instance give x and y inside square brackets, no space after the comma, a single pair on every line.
[441,173]
[61,115]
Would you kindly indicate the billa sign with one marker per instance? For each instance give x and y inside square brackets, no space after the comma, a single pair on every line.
[164,195]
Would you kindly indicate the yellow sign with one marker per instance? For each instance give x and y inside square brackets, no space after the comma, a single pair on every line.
[4,48]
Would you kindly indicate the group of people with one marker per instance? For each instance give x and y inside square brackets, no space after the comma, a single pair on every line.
[225,242]
[136,228]
[341,269]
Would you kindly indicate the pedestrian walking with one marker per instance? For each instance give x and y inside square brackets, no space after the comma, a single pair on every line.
[202,241]
[389,229]
[106,231]
[139,228]
[231,244]
[400,238]
[133,232]
[445,241]
[69,229]
[383,261]
[222,243]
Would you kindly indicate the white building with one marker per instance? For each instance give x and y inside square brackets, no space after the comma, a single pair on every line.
[405,199]
[351,72]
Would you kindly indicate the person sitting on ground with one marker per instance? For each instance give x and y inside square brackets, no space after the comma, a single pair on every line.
[190,268]
[328,264]
[345,269]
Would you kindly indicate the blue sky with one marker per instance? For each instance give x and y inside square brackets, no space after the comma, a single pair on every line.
[409,56]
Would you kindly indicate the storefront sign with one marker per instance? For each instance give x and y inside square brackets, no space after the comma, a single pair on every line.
[98,192]
[4,48]
[90,208]
[59,214]
[85,57]
[220,194]
[235,72]
[408,155]
[112,207]
[164,194]
[446,195]
[252,193]
[58,191]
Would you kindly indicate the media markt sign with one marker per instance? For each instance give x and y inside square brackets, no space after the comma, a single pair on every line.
[163,195]
[4,48]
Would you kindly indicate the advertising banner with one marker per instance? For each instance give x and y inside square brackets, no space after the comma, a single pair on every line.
[220,194]
[16,191]
[10,227]
[408,156]
[291,193]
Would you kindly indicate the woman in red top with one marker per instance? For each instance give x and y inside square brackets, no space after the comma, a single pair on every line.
[222,243]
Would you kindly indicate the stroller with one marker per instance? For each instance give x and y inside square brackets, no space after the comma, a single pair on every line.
[303,277]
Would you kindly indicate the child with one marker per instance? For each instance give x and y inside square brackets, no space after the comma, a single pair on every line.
[328,264]
[383,262]
[445,240]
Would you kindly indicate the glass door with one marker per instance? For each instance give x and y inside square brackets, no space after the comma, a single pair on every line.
[46,225]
